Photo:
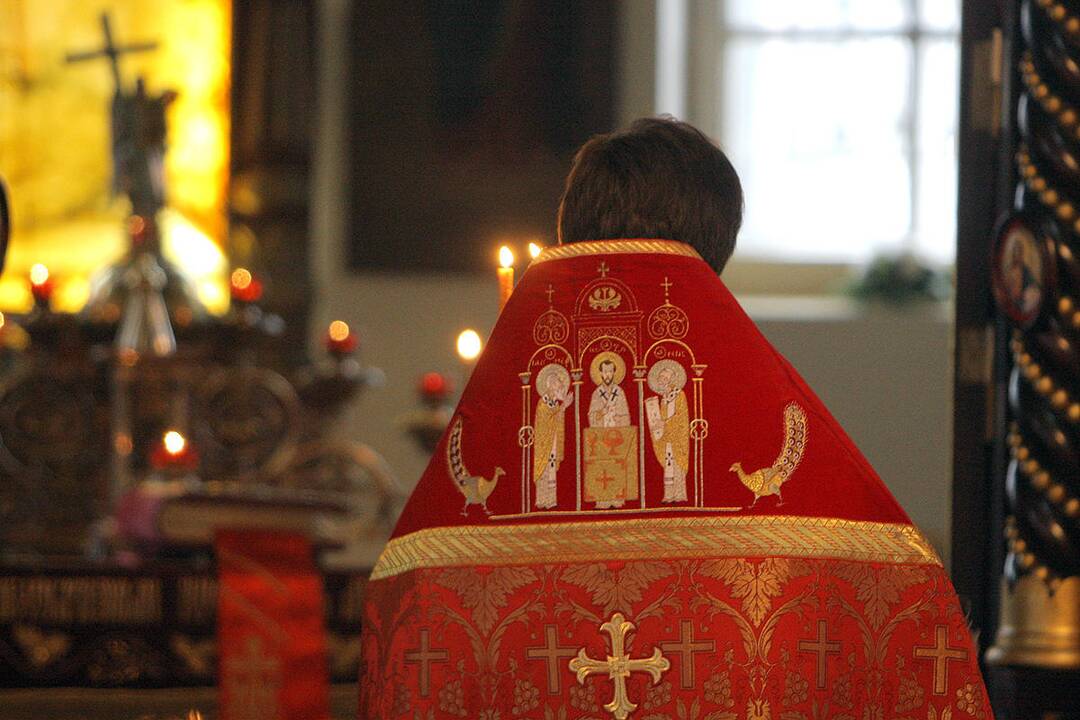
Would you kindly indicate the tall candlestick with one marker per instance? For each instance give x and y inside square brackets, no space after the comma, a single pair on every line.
[506,275]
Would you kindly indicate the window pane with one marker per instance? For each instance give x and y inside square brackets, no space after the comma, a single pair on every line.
[816,131]
[941,15]
[818,14]
[935,222]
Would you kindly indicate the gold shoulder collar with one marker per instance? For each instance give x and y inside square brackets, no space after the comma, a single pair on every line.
[616,247]
[668,537]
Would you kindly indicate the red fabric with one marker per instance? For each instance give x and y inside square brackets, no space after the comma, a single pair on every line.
[488,636]
[746,386]
[451,640]
[270,628]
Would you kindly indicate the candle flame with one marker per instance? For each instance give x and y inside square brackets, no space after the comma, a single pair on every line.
[506,257]
[469,344]
[241,278]
[39,274]
[535,250]
[338,331]
[174,442]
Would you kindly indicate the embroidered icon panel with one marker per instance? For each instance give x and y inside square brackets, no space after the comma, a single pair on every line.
[612,411]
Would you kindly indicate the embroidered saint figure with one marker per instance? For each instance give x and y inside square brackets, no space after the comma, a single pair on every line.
[552,385]
[669,426]
[611,443]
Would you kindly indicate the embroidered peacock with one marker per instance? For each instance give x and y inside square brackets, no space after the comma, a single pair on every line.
[475,488]
[767,481]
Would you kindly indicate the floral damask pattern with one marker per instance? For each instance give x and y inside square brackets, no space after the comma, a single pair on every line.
[758,649]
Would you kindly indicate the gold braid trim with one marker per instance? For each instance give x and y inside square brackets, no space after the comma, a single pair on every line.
[615,247]
[648,538]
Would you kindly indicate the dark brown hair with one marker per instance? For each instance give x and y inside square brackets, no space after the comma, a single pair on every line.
[661,178]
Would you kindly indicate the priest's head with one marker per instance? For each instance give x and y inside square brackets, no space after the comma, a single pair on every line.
[660,178]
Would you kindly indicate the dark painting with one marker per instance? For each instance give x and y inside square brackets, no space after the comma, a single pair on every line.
[465,118]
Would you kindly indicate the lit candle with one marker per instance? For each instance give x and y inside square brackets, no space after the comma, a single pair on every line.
[535,249]
[244,287]
[506,275]
[174,452]
[469,345]
[41,285]
[340,340]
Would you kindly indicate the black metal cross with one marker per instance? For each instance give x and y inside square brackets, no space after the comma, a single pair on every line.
[111,50]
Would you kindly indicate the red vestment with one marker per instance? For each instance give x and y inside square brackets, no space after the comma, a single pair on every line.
[738,558]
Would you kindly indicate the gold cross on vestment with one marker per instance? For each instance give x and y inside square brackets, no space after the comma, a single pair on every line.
[424,656]
[619,665]
[550,292]
[941,654]
[823,648]
[552,652]
[667,287]
[602,268]
[685,647]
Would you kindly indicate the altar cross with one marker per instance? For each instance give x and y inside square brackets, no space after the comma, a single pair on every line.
[619,665]
[941,654]
[551,652]
[111,50]
[823,647]
[685,648]
[424,656]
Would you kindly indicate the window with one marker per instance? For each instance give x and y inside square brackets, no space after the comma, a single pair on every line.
[841,118]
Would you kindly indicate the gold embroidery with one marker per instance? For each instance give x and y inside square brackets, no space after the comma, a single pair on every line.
[822,647]
[768,481]
[475,488]
[686,648]
[605,298]
[424,656]
[756,583]
[485,593]
[616,589]
[941,654]
[615,247]
[645,538]
[619,665]
[878,589]
[551,653]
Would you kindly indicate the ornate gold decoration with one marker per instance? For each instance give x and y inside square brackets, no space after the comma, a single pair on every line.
[615,247]
[551,327]
[767,481]
[1060,14]
[1049,197]
[474,488]
[686,648]
[424,656]
[1065,114]
[605,298]
[941,654]
[645,538]
[1043,383]
[1040,626]
[1039,477]
[486,593]
[619,665]
[41,648]
[822,647]
[552,653]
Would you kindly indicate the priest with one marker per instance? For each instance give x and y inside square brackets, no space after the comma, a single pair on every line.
[714,546]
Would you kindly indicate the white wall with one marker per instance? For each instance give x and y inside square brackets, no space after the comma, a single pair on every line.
[885,376]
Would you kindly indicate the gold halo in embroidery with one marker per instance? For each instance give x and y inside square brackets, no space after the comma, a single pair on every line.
[556,371]
[608,356]
[676,369]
